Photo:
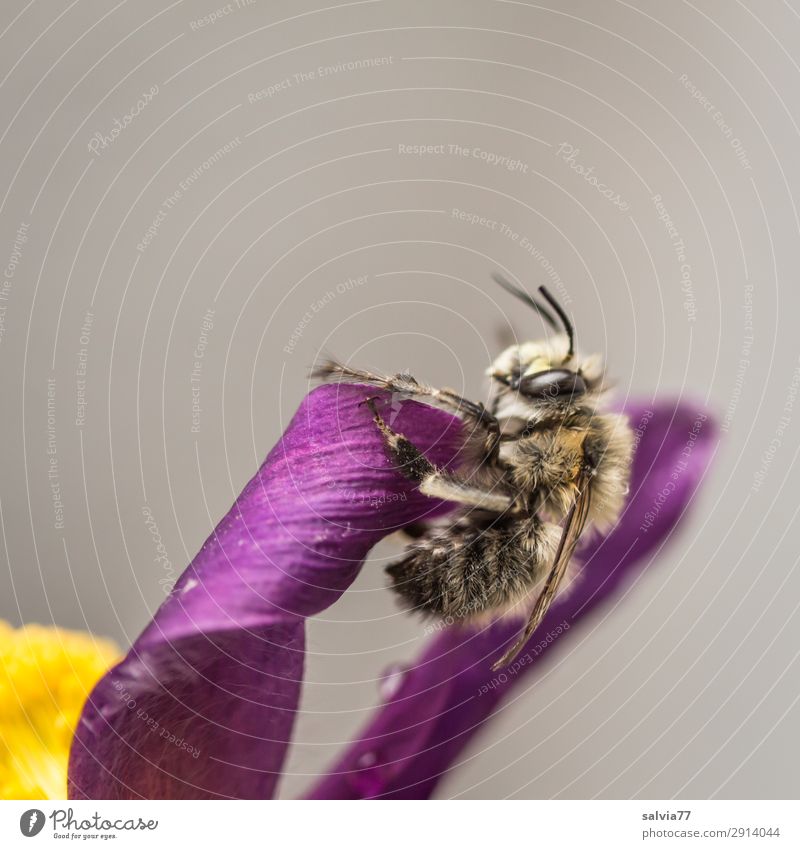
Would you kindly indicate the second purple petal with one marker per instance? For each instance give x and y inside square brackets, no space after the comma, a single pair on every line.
[450,690]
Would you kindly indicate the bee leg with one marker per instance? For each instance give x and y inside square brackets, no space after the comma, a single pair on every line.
[432,481]
[607,454]
[475,411]
[405,384]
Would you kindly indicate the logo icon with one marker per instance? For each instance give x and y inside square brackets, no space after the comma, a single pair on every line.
[31,822]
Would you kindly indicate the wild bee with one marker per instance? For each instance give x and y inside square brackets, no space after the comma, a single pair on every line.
[550,464]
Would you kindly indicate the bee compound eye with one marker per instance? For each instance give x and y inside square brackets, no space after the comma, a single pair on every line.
[555,383]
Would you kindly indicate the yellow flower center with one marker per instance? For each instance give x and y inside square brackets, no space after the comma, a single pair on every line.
[45,676]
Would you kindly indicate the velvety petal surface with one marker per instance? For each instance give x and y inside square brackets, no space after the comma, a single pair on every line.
[204,702]
[448,693]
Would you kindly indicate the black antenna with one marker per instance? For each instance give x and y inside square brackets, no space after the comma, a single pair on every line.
[564,320]
[527,299]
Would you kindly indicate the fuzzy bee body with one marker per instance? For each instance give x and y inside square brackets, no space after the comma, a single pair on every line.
[486,562]
[551,463]
[479,565]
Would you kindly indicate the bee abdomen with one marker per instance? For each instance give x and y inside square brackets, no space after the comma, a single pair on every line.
[468,570]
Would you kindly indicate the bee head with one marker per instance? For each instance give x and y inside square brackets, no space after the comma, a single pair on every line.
[548,371]
[543,371]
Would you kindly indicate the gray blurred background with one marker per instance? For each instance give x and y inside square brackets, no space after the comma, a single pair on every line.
[267,152]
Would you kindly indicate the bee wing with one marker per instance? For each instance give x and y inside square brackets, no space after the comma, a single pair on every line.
[573,528]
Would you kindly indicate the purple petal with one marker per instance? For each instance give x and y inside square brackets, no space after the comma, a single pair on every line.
[204,703]
[450,691]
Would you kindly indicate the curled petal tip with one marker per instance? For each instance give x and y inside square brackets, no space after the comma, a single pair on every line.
[203,704]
